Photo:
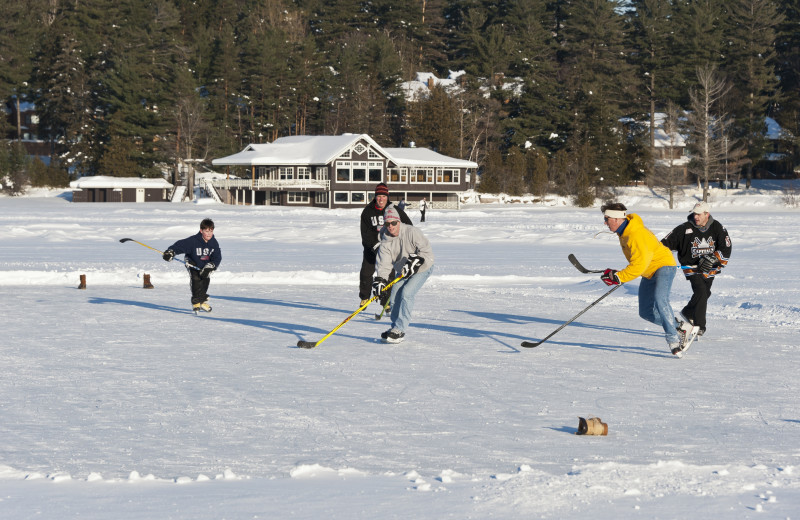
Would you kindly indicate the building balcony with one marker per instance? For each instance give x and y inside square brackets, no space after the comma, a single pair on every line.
[281,184]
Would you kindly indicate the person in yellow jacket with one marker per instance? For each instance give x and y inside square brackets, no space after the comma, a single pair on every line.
[650,259]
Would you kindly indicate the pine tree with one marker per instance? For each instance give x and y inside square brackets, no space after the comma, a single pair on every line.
[599,85]
[19,32]
[651,22]
[787,65]
[698,39]
[434,123]
[749,65]
[537,181]
[13,168]
[540,114]
[67,82]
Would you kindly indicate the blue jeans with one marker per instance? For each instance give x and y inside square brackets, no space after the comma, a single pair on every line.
[654,303]
[402,299]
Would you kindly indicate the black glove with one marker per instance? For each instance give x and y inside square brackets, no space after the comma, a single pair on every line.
[610,277]
[206,270]
[707,263]
[412,265]
[168,255]
[378,285]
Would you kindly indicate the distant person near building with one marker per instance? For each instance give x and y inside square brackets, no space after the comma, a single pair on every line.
[371,225]
[703,247]
[201,251]
[423,207]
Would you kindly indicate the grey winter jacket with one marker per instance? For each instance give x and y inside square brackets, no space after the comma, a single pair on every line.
[393,251]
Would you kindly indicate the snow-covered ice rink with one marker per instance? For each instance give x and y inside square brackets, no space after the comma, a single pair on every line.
[118,402]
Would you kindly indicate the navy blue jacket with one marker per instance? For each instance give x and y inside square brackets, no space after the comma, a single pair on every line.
[197,251]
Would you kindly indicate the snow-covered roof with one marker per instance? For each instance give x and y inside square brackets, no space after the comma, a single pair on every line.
[295,150]
[662,138]
[775,132]
[301,150]
[104,181]
[420,85]
[425,157]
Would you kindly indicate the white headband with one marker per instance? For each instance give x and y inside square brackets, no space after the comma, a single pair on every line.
[614,213]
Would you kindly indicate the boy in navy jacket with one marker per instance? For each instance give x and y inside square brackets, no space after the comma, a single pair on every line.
[202,256]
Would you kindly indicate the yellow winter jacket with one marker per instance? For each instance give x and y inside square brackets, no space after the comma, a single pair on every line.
[643,250]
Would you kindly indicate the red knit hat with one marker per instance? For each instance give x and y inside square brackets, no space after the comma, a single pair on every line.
[382,189]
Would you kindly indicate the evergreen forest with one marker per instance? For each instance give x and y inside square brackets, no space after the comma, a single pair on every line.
[555,95]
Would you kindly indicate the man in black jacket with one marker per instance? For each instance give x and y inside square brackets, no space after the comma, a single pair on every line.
[371,225]
[703,248]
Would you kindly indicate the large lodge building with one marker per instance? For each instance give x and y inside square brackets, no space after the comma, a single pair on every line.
[339,172]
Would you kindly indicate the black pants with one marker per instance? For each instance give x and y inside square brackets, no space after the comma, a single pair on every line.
[422,212]
[695,310]
[366,275]
[199,285]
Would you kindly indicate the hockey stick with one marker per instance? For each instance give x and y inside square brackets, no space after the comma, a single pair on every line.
[123,240]
[580,267]
[379,316]
[312,344]
[532,344]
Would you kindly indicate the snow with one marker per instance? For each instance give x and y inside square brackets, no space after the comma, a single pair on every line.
[119,403]
[307,150]
[104,181]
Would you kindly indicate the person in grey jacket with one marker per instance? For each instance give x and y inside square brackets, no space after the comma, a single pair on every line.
[405,249]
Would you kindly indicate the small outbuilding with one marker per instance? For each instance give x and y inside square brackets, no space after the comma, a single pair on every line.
[102,188]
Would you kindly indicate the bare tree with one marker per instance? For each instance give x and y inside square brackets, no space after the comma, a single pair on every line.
[668,170]
[708,125]
[192,136]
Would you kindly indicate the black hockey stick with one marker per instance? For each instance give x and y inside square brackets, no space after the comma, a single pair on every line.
[123,240]
[580,267]
[532,344]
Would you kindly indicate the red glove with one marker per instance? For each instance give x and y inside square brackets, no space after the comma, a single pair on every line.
[610,277]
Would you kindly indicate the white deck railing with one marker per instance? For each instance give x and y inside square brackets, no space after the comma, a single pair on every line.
[301,184]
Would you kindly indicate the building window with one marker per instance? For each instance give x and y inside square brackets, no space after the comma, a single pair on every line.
[298,197]
[322,173]
[285,173]
[448,176]
[343,171]
[358,197]
[261,172]
[422,176]
[303,172]
[359,148]
[398,175]
[275,198]
[341,197]
[375,171]
[372,154]
[321,197]
[355,171]
[359,172]
[345,155]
